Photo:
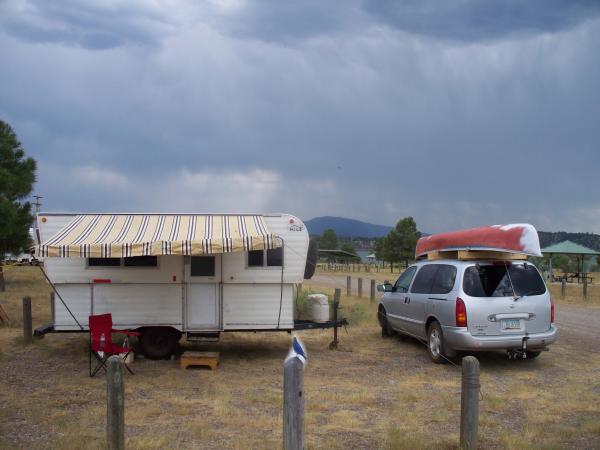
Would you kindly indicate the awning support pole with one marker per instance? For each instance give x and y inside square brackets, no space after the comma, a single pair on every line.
[61,299]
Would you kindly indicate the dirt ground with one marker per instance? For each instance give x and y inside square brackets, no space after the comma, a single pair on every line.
[372,393]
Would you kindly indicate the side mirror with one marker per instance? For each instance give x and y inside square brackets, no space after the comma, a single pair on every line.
[386,287]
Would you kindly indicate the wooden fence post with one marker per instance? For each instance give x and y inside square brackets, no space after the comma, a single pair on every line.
[372,290]
[2,282]
[360,288]
[469,405]
[348,285]
[115,404]
[585,287]
[336,305]
[293,404]
[27,328]
[563,288]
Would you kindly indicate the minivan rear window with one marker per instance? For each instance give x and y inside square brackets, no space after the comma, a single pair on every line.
[495,280]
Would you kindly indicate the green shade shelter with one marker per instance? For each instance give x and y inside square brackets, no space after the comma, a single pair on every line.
[336,255]
[569,248]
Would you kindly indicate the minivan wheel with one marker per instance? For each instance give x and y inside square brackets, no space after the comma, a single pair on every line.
[435,343]
[386,329]
[532,355]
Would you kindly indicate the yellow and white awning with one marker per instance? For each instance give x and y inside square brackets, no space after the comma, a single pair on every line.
[123,235]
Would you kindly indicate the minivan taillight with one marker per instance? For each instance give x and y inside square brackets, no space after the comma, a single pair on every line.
[551,311]
[461,313]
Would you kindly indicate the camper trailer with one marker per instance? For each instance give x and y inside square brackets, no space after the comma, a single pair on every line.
[168,275]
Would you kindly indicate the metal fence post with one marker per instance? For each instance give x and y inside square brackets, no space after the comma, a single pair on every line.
[469,405]
[585,287]
[293,404]
[115,404]
[360,287]
[27,327]
[563,288]
[348,285]
[372,290]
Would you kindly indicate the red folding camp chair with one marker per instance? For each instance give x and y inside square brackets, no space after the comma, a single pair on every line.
[101,344]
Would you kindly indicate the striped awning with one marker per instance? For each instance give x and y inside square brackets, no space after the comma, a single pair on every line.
[122,235]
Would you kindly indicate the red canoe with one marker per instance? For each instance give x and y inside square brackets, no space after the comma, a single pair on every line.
[513,238]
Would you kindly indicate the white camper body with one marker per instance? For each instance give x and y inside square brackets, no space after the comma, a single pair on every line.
[190,294]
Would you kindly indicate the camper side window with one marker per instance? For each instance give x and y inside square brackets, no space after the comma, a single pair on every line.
[275,257]
[104,262]
[202,266]
[266,258]
[133,261]
[256,258]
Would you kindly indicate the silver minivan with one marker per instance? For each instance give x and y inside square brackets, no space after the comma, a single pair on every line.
[456,305]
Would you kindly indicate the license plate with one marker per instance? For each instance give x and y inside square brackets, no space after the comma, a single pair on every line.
[510,324]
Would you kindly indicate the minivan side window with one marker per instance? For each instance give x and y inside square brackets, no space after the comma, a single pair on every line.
[424,280]
[444,279]
[403,282]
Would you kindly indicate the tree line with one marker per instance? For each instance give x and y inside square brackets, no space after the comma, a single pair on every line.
[397,247]
[17,175]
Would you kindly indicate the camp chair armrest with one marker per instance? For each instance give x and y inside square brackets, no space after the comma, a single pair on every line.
[127,332]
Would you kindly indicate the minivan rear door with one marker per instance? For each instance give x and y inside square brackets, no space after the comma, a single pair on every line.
[505,298]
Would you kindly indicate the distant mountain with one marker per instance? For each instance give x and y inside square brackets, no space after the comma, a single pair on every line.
[589,240]
[346,227]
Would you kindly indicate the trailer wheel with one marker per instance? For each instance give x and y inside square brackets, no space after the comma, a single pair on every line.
[159,342]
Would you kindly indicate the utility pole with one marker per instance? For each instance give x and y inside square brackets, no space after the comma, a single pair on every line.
[37,203]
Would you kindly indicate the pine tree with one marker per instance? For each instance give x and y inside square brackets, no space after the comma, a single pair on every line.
[17,175]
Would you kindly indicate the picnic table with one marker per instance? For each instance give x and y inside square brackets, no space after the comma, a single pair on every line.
[570,277]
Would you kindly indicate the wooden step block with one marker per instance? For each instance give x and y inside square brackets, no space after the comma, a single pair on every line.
[210,359]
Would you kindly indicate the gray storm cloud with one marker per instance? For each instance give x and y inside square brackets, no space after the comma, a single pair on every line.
[370,110]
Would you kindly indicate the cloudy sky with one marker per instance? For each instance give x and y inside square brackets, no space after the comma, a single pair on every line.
[457,112]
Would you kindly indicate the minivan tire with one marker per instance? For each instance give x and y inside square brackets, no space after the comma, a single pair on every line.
[435,344]
[533,355]
[386,329]
[159,342]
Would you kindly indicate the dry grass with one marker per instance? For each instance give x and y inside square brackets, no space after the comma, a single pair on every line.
[372,393]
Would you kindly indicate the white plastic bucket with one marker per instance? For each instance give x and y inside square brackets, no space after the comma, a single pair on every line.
[318,307]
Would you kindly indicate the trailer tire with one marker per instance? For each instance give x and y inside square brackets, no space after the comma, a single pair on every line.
[159,342]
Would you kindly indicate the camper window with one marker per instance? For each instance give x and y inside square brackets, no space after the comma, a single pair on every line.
[140,261]
[256,258]
[275,257]
[104,262]
[202,266]
[134,261]
[266,258]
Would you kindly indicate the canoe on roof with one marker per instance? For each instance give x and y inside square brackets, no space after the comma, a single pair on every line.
[519,238]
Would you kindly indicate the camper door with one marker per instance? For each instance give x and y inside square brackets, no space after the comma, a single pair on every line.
[203,293]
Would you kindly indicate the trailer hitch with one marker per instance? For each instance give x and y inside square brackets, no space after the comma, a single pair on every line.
[519,353]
